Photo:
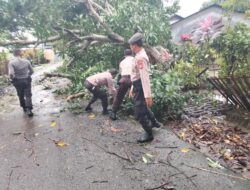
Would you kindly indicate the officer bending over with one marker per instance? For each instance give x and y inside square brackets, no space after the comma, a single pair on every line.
[95,85]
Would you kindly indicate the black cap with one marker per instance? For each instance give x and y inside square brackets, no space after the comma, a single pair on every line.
[128,52]
[135,38]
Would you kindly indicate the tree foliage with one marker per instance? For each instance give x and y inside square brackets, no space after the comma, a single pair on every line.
[75,19]
[242,6]
[233,47]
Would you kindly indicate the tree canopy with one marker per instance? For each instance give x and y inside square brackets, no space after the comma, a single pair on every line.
[79,25]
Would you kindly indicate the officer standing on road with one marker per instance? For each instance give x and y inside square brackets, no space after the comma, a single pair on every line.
[95,85]
[124,83]
[20,71]
[141,91]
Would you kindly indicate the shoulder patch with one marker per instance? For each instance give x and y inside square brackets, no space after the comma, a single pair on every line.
[140,63]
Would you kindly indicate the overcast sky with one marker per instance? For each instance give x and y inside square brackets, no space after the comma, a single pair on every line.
[188,7]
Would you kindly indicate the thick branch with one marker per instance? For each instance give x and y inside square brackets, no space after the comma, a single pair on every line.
[90,37]
[84,46]
[96,37]
[95,15]
[157,55]
[29,42]
[78,95]
[97,6]
[61,75]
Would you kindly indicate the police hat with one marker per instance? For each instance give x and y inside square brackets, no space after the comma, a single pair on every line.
[135,38]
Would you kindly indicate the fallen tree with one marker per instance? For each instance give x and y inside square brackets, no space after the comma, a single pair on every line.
[60,75]
[79,25]
[90,34]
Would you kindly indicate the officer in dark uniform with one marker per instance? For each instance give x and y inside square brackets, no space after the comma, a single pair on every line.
[141,90]
[20,71]
[125,68]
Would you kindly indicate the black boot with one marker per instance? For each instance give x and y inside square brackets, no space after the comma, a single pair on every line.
[29,113]
[88,109]
[105,112]
[156,124]
[113,116]
[147,137]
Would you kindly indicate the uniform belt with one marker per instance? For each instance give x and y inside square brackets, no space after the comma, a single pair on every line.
[89,84]
[126,76]
[137,82]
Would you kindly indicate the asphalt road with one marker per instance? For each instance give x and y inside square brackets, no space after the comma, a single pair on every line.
[95,153]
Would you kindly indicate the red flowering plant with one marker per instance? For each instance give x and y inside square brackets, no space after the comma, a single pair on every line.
[186,37]
[207,24]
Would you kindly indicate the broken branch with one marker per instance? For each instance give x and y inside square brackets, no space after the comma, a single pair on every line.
[159,187]
[177,169]
[95,15]
[50,75]
[11,172]
[29,42]
[107,151]
[218,173]
[73,96]
[170,147]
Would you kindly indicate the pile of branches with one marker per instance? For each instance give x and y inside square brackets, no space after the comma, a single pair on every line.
[226,142]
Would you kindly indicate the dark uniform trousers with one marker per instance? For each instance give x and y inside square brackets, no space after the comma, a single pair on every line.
[23,88]
[124,85]
[97,94]
[143,114]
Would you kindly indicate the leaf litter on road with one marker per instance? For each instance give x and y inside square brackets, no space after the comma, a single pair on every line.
[59,143]
[91,116]
[53,124]
[185,150]
[147,158]
[222,139]
[214,164]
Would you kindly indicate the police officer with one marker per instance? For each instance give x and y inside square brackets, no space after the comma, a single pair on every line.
[125,68]
[95,85]
[20,71]
[141,91]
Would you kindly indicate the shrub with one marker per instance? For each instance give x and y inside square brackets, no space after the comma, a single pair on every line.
[169,100]
[233,47]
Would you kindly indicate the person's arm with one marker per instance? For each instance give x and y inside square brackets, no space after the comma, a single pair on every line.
[144,74]
[31,71]
[131,92]
[11,71]
[111,86]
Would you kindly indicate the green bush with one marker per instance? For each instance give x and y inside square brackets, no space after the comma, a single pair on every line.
[3,56]
[169,99]
[189,72]
[40,57]
[233,47]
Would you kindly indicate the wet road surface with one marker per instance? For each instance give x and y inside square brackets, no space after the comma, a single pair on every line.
[96,153]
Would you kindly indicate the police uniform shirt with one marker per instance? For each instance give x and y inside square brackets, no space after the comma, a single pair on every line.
[126,66]
[140,70]
[103,79]
[20,68]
